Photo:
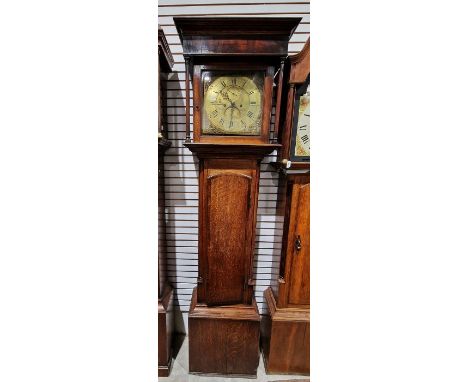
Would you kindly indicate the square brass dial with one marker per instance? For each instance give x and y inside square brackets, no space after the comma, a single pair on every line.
[232,103]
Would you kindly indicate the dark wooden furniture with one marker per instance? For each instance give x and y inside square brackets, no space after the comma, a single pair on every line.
[285,331]
[232,63]
[165,291]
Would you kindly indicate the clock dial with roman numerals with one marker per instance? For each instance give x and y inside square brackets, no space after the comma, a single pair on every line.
[232,103]
[302,147]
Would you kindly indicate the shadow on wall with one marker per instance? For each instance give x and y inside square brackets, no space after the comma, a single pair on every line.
[268,234]
[270,217]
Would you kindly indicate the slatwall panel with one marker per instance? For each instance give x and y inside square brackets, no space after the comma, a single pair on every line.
[181,167]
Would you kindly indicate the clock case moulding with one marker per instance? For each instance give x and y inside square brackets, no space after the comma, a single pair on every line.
[285,330]
[224,322]
[165,290]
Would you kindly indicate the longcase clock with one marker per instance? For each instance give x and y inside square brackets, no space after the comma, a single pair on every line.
[165,291]
[285,330]
[232,63]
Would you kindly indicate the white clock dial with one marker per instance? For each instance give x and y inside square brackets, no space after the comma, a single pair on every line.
[302,148]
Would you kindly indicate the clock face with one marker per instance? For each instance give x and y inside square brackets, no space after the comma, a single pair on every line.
[300,140]
[302,148]
[232,103]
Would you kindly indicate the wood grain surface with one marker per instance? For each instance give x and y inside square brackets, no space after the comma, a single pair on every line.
[295,289]
[228,200]
[285,338]
[224,340]
[299,290]
[228,205]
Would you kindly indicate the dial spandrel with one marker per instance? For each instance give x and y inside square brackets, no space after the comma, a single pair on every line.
[232,103]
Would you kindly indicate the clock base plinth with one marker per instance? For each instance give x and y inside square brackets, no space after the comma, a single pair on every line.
[285,338]
[224,340]
[165,330]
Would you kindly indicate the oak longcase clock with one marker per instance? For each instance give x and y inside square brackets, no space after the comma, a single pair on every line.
[285,330]
[231,63]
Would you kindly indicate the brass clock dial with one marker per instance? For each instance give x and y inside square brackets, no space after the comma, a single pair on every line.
[232,104]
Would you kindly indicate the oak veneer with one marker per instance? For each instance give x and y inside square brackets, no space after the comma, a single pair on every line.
[294,289]
[285,338]
[228,191]
[224,340]
[285,330]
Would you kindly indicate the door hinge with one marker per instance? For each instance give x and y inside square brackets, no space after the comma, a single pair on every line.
[199,280]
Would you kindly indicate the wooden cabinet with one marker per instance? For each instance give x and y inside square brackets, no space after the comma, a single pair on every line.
[232,63]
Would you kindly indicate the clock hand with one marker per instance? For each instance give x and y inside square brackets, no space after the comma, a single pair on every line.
[235,94]
[232,104]
[225,95]
[228,98]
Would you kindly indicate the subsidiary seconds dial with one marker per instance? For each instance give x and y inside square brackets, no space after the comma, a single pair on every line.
[233,105]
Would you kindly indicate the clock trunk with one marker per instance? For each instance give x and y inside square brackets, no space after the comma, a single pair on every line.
[228,189]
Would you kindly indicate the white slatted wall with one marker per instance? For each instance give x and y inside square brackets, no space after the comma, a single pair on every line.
[181,168]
